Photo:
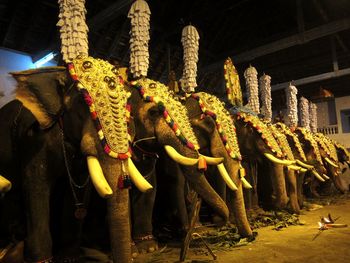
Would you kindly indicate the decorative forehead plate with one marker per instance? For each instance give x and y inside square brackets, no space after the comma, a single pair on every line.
[212,106]
[174,113]
[260,127]
[308,136]
[284,128]
[282,141]
[326,145]
[106,96]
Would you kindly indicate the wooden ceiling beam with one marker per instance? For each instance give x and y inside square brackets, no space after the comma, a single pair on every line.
[109,14]
[297,39]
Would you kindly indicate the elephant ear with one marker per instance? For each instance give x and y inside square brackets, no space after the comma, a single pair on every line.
[42,92]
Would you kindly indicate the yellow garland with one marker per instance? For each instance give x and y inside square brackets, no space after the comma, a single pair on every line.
[284,128]
[223,121]
[282,142]
[308,136]
[176,110]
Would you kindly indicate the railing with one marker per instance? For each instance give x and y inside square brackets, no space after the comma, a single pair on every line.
[332,129]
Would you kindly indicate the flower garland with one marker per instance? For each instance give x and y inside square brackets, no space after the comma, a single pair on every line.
[139,15]
[152,91]
[189,40]
[251,80]
[223,121]
[292,106]
[282,142]
[304,113]
[308,137]
[313,116]
[101,96]
[265,94]
[327,146]
[295,139]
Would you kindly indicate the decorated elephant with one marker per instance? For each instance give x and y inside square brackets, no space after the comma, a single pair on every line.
[314,158]
[63,124]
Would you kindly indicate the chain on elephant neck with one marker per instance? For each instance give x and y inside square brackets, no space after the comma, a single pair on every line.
[80,211]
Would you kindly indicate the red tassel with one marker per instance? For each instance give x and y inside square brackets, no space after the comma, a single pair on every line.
[202,164]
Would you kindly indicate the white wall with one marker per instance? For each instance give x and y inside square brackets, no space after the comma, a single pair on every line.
[341,103]
[11,60]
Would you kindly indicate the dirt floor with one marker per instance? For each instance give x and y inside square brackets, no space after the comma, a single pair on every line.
[291,244]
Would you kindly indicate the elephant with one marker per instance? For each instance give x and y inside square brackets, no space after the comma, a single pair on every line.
[64,125]
[313,156]
[258,144]
[301,161]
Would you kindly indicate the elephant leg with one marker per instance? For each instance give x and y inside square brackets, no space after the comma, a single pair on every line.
[142,210]
[219,186]
[292,191]
[300,182]
[38,244]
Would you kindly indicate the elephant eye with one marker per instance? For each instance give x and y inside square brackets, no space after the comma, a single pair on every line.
[111,84]
[87,64]
[115,70]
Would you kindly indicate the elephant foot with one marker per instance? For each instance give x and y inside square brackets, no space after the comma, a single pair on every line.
[217,220]
[13,253]
[146,244]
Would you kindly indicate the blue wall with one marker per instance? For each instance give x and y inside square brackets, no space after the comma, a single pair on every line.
[11,60]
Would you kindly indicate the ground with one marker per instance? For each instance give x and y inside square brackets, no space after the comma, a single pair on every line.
[291,244]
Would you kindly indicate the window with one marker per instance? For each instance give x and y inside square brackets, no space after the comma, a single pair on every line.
[345,120]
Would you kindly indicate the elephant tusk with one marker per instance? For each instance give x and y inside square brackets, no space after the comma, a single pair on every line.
[330,162]
[303,170]
[97,177]
[294,167]
[213,160]
[317,175]
[226,177]
[307,166]
[278,161]
[348,162]
[245,183]
[140,182]
[5,185]
[325,176]
[178,157]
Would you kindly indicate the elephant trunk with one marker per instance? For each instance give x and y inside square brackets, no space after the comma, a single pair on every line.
[199,183]
[279,185]
[118,215]
[292,191]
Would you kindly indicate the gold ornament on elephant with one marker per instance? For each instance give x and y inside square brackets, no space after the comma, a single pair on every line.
[212,106]
[308,137]
[104,92]
[173,111]
[282,141]
[327,145]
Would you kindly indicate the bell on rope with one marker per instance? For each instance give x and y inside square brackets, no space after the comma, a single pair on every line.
[202,164]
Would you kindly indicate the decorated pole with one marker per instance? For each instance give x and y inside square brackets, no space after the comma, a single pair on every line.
[139,14]
[190,43]
[292,106]
[73,29]
[313,116]
[233,87]
[265,95]
[304,113]
[251,81]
